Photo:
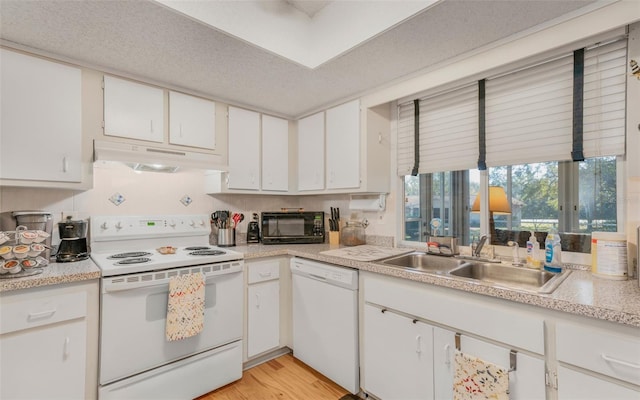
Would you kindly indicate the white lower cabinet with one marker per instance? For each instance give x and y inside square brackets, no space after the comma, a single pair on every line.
[263,307]
[575,385]
[398,355]
[597,361]
[409,348]
[48,343]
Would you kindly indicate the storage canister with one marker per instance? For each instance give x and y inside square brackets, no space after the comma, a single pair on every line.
[609,255]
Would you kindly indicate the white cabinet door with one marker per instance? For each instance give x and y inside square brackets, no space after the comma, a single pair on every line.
[192,121]
[263,316]
[244,149]
[41,117]
[343,146]
[133,110]
[275,153]
[398,356]
[444,346]
[46,362]
[574,385]
[311,152]
[528,379]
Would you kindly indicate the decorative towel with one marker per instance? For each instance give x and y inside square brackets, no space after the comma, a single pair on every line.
[475,379]
[185,308]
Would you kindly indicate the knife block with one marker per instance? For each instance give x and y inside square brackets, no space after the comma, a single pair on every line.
[334,238]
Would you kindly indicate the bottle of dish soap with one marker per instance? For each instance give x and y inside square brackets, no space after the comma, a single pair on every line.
[532,251]
[553,252]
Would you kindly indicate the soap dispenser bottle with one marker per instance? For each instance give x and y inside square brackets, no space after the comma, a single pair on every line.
[532,251]
[553,252]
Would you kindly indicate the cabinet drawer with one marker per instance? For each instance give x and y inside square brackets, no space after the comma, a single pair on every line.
[25,313]
[264,271]
[609,353]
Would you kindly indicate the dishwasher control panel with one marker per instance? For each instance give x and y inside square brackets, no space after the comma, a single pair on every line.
[344,277]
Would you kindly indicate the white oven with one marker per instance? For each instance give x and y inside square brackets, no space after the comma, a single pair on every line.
[136,359]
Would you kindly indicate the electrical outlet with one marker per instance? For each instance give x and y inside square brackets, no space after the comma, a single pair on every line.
[117,199]
[186,200]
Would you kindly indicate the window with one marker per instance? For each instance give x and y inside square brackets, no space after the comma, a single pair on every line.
[441,196]
[575,198]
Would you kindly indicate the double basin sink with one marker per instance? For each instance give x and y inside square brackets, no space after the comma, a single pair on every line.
[478,271]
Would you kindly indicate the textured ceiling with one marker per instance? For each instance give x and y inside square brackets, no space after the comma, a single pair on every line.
[146,40]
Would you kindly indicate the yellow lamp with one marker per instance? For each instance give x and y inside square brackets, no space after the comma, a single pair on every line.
[498,203]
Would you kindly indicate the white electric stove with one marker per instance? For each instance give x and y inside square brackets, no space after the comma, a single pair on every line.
[129,244]
[136,359]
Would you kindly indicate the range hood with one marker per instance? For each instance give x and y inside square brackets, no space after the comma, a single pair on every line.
[149,158]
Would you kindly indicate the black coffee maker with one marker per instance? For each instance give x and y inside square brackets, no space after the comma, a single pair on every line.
[73,241]
[253,231]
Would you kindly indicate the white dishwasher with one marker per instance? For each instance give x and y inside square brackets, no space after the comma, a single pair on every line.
[325,320]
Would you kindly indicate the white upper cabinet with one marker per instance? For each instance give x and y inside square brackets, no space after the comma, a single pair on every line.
[244,149]
[311,152]
[275,153]
[133,110]
[41,117]
[192,121]
[343,146]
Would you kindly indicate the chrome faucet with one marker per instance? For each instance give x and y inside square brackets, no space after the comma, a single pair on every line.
[481,242]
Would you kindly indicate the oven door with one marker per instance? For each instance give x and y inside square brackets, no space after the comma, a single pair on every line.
[133,319]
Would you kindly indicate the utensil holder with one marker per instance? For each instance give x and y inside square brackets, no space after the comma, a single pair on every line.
[226,237]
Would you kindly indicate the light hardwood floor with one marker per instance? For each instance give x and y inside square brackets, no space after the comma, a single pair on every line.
[283,378]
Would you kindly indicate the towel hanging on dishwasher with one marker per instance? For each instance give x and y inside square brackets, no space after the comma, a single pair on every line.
[475,379]
[185,307]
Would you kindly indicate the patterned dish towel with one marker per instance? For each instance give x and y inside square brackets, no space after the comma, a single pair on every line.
[475,379]
[185,308]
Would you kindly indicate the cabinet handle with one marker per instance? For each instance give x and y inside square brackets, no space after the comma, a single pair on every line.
[180,129]
[447,355]
[257,300]
[418,344]
[264,274]
[43,314]
[621,362]
[65,352]
[65,164]
[151,126]
[383,310]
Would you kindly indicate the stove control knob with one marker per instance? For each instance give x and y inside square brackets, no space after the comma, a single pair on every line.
[172,223]
[104,226]
[201,222]
[118,225]
[192,223]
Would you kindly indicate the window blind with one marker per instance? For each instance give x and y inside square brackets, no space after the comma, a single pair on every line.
[604,99]
[529,114]
[448,132]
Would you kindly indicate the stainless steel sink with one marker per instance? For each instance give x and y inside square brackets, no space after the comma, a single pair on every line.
[420,261]
[539,281]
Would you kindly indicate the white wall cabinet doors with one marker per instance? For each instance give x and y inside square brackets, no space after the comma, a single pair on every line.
[343,146]
[244,149]
[192,121]
[41,117]
[275,153]
[133,110]
[311,153]
[398,356]
[263,307]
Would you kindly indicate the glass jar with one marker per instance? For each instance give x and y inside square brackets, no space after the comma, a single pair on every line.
[353,233]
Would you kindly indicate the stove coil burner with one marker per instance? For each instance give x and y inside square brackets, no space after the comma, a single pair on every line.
[197,248]
[129,255]
[207,253]
[137,260]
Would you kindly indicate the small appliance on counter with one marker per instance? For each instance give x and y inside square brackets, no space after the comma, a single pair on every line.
[73,241]
[253,231]
[293,227]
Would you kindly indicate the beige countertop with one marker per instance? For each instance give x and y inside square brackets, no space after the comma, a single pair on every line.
[581,293]
[54,274]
